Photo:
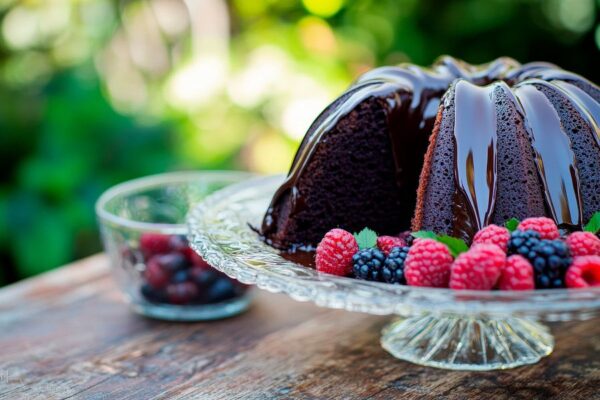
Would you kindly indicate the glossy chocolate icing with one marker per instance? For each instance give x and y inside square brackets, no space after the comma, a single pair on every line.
[475,154]
[584,103]
[554,157]
[411,98]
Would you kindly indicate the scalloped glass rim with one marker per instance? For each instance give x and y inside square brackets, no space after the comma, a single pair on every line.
[219,229]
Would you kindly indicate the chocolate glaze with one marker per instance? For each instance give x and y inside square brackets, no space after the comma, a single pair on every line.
[584,103]
[302,257]
[412,95]
[554,158]
[475,154]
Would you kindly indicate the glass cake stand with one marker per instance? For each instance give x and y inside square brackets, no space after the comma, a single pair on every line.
[462,330]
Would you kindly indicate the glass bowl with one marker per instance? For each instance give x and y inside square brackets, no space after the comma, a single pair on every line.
[143,230]
[464,330]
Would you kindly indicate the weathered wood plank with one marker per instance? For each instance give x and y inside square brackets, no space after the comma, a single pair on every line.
[68,334]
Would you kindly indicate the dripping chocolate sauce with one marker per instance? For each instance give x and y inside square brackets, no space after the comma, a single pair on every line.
[474,157]
[555,160]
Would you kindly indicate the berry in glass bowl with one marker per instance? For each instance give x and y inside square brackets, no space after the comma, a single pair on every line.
[143,228]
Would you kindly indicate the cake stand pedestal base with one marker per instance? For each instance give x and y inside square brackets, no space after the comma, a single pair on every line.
[462,343]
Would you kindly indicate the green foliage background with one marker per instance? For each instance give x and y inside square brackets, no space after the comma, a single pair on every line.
[67,132]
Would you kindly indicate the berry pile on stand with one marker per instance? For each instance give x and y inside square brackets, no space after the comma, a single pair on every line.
[526,255]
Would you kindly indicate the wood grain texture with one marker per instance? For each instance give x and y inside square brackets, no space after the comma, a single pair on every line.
[68,335]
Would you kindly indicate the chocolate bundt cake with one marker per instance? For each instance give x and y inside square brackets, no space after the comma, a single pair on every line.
[449,148]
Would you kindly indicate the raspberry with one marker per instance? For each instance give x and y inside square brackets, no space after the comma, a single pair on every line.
[550,260]
[521,242]
[584,272]
[428,264]
[493,234]
[334,253]
[367,264]
[387,243]
[155,243]
[393,267]
[477,269]
[583,244]
[156,275]
[517,274]
[195,258]
[542,225]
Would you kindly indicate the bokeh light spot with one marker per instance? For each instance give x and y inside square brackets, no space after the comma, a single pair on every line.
[196,83]
[577,15]
[323,8]
[250,8]
[19,28]
[265,74]
[270,153]
[317,35]
[299,114]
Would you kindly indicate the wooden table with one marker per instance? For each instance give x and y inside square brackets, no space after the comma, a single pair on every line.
[68,335]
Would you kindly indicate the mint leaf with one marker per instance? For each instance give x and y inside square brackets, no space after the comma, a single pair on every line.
[594,224]
[366,239]
[512,224]
[455,245]
[424,235]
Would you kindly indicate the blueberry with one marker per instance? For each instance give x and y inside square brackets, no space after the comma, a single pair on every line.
[204,277]
[181,276]
[172,262]
[222,289]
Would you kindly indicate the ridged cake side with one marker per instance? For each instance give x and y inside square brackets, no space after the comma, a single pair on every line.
[544,146]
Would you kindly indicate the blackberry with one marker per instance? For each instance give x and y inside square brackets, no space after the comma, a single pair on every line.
[521,242]
[367,264]
[223,289]
[153,295]
[550,260]
[408,238]
[393,267]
